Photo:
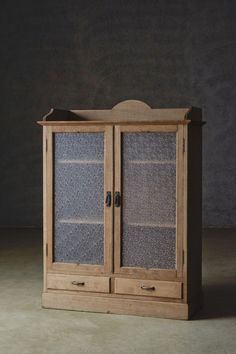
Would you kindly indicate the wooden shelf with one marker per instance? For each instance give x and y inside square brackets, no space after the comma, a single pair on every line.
[86,162]
[81,221]
[151,224]
[100,222]
[154,162]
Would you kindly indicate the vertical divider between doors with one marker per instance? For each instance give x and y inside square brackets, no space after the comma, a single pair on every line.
[108,186]
[117,211]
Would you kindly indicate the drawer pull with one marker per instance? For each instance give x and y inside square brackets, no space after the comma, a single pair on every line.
[78,283]
[146,287]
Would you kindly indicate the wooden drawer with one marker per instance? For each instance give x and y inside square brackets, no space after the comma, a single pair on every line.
[148,288]
[78,283]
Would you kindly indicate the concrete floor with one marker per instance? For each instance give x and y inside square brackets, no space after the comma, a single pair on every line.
[25,328]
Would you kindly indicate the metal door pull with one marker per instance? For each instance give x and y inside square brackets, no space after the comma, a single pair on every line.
[117,201]
[108,199]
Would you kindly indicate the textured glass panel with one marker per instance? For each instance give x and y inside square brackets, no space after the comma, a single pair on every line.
[148,247]
[149,146]
[149,200]
[79,146]
[79,197]
[149,193]
[79,243]
[79,191]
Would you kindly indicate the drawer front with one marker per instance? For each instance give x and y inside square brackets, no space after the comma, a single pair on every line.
[78,283]
[148,288]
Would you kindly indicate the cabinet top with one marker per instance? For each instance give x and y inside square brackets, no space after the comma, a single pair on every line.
[130,111]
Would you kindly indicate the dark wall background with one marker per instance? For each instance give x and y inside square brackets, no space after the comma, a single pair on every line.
[93,54]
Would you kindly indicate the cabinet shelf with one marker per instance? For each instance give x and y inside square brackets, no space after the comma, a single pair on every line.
[81,221]
[87,162]
[154,162]
[151,224]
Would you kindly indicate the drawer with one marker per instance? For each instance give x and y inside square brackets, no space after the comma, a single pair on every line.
[78,283]
[158,288]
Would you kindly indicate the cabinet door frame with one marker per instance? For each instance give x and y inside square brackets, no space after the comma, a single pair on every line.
[74,268]
[136,271]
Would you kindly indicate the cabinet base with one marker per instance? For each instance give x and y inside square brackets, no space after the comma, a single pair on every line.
[93,303]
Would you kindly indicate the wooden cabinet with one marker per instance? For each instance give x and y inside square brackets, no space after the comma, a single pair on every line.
[122,210]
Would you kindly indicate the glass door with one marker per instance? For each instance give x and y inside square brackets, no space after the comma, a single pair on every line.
[81,199]
[147,232]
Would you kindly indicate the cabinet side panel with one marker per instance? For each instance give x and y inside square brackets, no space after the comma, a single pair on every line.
[44,209]
[194,218]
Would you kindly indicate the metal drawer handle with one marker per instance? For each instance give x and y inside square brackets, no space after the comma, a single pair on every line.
[78,283]
[146,287]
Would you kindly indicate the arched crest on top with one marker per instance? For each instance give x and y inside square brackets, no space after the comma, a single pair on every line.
[134,105]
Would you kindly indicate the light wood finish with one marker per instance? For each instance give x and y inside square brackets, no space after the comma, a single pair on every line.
[112,294]
[151,224]
[76,268]
[108,187]
[80,128]
[126,111]
[147,273]
[81,221]
[153,162]
[117,211]
[146,287]
[136,273]
[108,212]
[78,283]
[49,197]
[111,122]
[83,162]
[45,222]
[115,305]
[151,273]
[148,128]
[111,288]
[185,214]
[132,105]
[180,151]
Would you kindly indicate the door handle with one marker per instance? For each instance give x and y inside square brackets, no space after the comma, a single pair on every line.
[117,201]
[108,199]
